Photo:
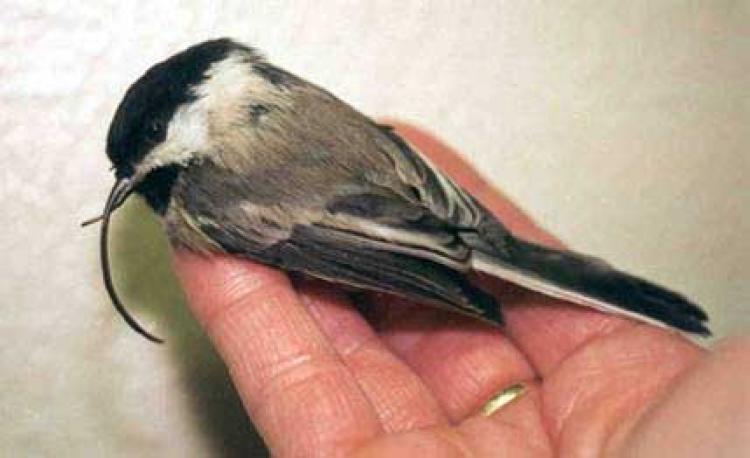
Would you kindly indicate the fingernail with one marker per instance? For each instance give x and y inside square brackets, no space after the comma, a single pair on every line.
[503,398]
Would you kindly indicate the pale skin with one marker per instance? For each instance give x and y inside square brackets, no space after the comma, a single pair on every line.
[319,379]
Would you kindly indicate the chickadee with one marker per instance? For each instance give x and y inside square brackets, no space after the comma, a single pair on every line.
[239,156]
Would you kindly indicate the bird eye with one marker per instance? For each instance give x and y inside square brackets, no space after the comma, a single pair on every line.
[154,131]
[155,126]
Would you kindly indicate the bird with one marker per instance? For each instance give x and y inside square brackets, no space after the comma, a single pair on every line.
[239,156]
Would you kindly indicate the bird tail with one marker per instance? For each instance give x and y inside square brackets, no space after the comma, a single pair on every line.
[591,282]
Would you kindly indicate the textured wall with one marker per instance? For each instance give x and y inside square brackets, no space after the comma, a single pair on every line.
[621,126]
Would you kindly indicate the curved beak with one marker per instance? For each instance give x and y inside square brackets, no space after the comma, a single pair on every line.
[122,189]
[117,196]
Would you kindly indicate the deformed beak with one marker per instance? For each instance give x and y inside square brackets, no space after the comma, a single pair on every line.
[120,192]
[117,196]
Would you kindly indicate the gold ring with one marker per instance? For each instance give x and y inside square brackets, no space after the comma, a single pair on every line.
[503,398]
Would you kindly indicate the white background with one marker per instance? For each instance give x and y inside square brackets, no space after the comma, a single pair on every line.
[620,126]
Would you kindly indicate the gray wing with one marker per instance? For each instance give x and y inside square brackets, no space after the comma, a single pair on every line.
[365,241]
[389,224]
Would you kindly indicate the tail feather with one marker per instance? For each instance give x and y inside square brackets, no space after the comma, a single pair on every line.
[590,281]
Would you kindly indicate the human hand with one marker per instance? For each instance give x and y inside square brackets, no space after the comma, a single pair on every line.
[319,379]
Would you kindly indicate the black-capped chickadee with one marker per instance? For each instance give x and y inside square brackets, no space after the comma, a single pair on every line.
[239,156]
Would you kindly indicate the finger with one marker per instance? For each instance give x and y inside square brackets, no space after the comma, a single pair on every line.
[517,431]
[463,361]
[400,399]
[517,426]
[547,330]
[287,374]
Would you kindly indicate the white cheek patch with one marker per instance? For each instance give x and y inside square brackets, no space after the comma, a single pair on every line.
[188,128]
[187,138]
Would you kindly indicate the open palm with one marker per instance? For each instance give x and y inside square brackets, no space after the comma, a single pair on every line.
[317,378]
